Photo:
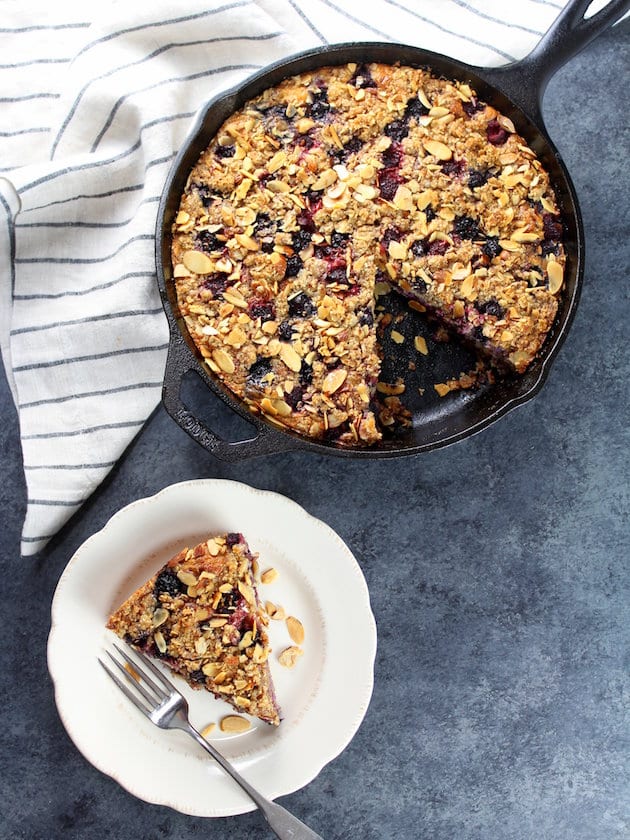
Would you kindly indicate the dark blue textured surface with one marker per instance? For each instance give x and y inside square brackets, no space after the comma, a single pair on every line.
[498,571]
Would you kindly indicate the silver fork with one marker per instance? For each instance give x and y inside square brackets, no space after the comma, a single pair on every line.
[162,703]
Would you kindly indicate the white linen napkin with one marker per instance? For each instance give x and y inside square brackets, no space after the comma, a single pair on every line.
[95,105]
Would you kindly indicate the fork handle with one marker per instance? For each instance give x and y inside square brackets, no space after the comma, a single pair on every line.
[281,822]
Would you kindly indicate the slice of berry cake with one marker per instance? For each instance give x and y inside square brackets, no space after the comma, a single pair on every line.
[201,617]
[332,182]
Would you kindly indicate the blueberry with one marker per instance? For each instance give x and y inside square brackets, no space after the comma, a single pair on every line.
[264,226]
[206,196]
[294,396]
[232,539]
[306,374]
[419,248]
[208,242]
[467,228]
[454,168]
[477,177]
[301,239]
[225,151]
[168,583]
[229,601]
[267,246]
[198,676]
[491,247]
[490,307]
[301,306]
[258,371]
[392,234]
[473,106]
[415,108]
[366,317]
[495,133]
[353,145]
[552,227]
[362,77]
[419,284]
[215,283]
[337,275]
[263,309]
[397,130]
[285,331]
[320,106]
[294,264]
[339,240]
[430,213]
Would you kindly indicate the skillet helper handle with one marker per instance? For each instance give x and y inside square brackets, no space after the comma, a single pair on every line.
[266,441]
[525,81]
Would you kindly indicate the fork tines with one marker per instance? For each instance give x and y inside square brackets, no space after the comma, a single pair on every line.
[135,675]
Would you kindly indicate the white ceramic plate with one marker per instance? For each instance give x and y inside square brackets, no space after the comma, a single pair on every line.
[323,699]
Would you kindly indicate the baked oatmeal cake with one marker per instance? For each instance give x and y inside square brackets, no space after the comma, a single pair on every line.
[339,180]
[200,615]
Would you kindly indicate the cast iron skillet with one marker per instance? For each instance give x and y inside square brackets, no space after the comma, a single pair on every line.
[516,90]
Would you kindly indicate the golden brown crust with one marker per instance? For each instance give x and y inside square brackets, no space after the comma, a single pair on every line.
[200,615]
[331,183]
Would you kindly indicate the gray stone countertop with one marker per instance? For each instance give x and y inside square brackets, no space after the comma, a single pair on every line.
[498,573]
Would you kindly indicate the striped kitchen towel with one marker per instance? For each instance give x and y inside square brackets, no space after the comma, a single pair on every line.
[95,105]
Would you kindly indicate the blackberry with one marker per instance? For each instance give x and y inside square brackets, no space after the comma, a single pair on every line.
[285,331]
[301,239]
[258,371]
[208,242]
[397,130]
[495,133]
[467,228]
[477,178]
[301,306]
[490,307]
[168,583]
[294,264]
[415,108]
[225,151]
[491,247]
[339,240]
[362,77]
[232,539]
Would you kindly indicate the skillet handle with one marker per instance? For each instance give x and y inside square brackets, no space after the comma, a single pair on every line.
[266,442]
[525,81]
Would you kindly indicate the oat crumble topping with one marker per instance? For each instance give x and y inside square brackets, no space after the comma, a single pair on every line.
[334,185]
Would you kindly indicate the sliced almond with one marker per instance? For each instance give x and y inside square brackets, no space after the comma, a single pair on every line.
[234,723]
[420,344]
[296,629]
[290,358]
[289,656]
[397,337]
[160,616]
[269,575]
[198,262]
[556,276]
[223,360]
[438,149]
[334,380]
[207,730]
[187,578]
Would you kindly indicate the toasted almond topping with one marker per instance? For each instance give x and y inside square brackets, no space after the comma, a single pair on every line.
[234,723]
[269,575]
[442,388]
[397,250]
[556,276]
[218,622]
[207,730]
[182,217]
[290,358]
[201,645]
[160,641]
[397,337]
[389,389]
[420,344]
[160,616]
[187,578]
[247,242]
[198,262]
[438,149]
[223,361]
[211,669]
[296,629]
[132,672]
[334,380]
[289,656]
